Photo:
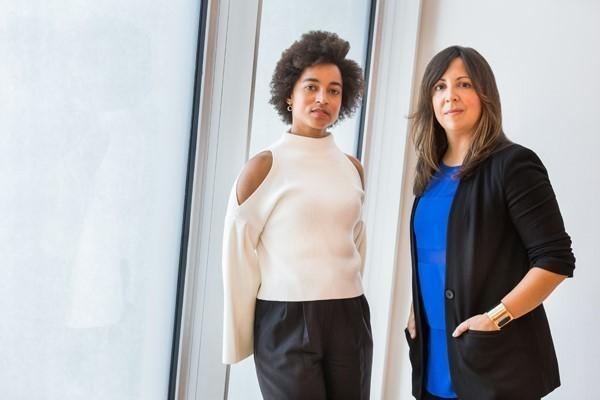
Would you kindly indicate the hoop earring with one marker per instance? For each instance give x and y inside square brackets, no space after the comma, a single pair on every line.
[289,108]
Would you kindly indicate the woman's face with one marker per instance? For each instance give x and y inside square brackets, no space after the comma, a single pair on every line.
[456,105]
[316,99]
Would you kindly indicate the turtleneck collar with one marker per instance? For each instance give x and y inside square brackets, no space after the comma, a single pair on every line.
[310,143]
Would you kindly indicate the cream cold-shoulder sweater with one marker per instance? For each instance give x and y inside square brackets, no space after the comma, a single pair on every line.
[298,237]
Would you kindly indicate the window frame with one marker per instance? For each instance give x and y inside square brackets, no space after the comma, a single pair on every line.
[187,208]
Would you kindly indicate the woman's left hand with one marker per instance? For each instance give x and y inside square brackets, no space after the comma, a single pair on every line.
[479,322]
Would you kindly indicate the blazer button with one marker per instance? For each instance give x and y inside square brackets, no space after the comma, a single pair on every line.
[449,294]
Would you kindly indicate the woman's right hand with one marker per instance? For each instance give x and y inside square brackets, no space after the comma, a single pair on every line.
[410,325]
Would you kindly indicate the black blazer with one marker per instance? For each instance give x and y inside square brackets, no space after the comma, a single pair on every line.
[503,221]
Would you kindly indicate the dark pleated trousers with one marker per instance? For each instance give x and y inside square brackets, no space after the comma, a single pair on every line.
[313,350]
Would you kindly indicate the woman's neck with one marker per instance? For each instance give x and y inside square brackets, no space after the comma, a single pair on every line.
[458,147]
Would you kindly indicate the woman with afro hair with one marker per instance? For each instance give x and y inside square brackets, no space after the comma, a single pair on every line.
[294,239]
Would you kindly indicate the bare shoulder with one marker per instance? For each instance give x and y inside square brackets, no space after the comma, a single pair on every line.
[254,173]
[359,168]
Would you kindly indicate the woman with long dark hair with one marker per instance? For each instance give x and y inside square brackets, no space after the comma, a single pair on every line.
[488,244]
[294,244]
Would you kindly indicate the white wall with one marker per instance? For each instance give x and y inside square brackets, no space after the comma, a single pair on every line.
[546,60]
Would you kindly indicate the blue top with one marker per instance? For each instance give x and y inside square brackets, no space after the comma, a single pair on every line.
[430,226]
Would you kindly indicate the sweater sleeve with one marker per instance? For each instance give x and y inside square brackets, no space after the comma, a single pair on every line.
[241,277]
[534,211]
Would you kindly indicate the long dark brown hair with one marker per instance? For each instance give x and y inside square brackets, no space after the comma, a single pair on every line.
[428,135]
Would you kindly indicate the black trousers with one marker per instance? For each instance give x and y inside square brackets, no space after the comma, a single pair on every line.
[313,350]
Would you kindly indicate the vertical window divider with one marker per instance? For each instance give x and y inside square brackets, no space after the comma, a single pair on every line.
[367,72]
[222,116]
[189,185]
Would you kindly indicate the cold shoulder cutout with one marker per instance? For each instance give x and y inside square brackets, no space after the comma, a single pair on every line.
[254,173]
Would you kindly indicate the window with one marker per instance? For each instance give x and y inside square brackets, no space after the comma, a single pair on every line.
[95,139]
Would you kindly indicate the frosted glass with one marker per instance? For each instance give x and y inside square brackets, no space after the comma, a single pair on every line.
[282,23]
[94,135]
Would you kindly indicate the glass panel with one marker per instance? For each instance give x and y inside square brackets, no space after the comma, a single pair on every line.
[282,23]
[95,118]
